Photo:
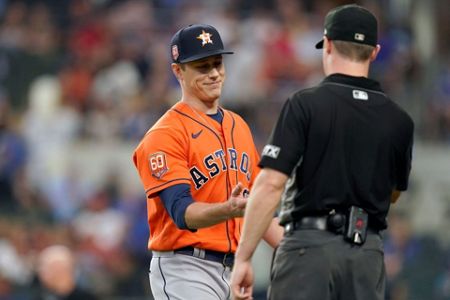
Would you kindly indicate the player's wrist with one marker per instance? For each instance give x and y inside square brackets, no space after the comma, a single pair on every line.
[234,209]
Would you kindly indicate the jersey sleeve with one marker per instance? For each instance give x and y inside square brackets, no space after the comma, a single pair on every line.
[161,161]
[287,141]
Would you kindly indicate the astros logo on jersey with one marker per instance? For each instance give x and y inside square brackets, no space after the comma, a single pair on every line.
[213,164]
[205,37]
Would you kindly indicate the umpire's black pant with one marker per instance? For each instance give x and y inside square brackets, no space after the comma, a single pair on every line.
[320,265]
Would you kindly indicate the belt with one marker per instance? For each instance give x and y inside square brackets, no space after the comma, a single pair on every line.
[227,259]
[318,223]
[321,223]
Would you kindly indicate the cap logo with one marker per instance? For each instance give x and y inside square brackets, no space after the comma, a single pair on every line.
[360,37]
[175,53]
[205,37]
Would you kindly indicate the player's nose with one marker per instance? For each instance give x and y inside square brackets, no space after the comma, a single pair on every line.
[214,73]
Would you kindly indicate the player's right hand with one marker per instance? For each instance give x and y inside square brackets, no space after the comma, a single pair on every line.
[237,201]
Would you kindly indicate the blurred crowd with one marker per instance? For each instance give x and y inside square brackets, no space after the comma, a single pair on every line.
[97,71]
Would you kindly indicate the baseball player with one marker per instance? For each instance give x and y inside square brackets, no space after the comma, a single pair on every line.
[343,150]
[197,165]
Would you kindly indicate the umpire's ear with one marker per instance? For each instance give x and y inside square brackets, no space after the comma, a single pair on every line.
[375,52]
[176,69]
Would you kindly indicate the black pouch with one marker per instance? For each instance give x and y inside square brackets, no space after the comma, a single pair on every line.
[336,222]
[356,227]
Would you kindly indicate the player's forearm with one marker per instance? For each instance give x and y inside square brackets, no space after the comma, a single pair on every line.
[263,201]
[201,215]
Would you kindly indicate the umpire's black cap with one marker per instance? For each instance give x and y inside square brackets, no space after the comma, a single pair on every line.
[351,23]
[195,42]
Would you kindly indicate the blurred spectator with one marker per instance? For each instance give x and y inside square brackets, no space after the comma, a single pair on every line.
[13,30]
[438,116]
[35,54]
[100,225]
[16,260]
[443,282]
[57,276]
[13,158]
[76,81]
[50,128]
[412,262]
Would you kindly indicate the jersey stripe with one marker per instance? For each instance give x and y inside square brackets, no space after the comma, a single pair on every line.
[164,278]
[232,142]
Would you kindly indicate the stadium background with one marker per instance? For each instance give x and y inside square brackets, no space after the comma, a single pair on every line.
[82,80]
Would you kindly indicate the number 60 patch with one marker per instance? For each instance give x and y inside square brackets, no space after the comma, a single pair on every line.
[158,164]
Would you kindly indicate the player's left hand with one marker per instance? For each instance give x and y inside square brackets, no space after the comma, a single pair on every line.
[242,280]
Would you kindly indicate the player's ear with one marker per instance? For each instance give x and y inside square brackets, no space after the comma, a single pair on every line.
[375,52]
[176,69]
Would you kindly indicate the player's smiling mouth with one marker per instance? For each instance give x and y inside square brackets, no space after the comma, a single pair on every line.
[214,84]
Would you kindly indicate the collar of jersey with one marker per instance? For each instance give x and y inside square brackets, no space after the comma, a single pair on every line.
[201,117]
[361,82]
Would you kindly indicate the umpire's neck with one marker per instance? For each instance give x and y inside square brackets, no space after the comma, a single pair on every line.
[334,62]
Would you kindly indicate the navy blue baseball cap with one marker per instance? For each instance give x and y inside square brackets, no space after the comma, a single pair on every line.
[351,23]
[195,42]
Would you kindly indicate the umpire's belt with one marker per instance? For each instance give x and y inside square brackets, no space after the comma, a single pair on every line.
[336,225]
[318,223]
[227,259]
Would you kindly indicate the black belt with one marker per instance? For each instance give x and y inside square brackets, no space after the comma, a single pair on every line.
[318,223]
[227,259]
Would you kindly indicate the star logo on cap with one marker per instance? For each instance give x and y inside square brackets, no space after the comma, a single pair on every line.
[205,37]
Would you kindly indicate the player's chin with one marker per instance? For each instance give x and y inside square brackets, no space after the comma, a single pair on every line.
[214,94]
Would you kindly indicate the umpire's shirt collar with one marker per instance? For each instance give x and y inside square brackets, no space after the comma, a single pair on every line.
[361,82]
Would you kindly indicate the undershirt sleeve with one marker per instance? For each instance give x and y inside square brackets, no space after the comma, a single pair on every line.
[176,199]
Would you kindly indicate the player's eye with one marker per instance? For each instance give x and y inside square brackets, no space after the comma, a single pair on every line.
[203,67]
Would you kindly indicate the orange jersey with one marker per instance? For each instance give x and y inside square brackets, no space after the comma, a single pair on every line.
[187,146]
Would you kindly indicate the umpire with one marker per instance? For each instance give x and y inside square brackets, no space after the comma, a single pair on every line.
[338,156]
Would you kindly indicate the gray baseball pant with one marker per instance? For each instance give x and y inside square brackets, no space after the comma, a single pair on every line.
[182,277]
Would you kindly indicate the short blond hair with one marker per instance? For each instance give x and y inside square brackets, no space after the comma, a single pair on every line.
[354,51]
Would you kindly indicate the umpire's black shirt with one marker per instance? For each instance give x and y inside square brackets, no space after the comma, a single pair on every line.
[343,143]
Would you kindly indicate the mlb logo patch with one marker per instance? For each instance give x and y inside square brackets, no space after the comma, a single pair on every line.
[360,95]
[360,37]
[158,164]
